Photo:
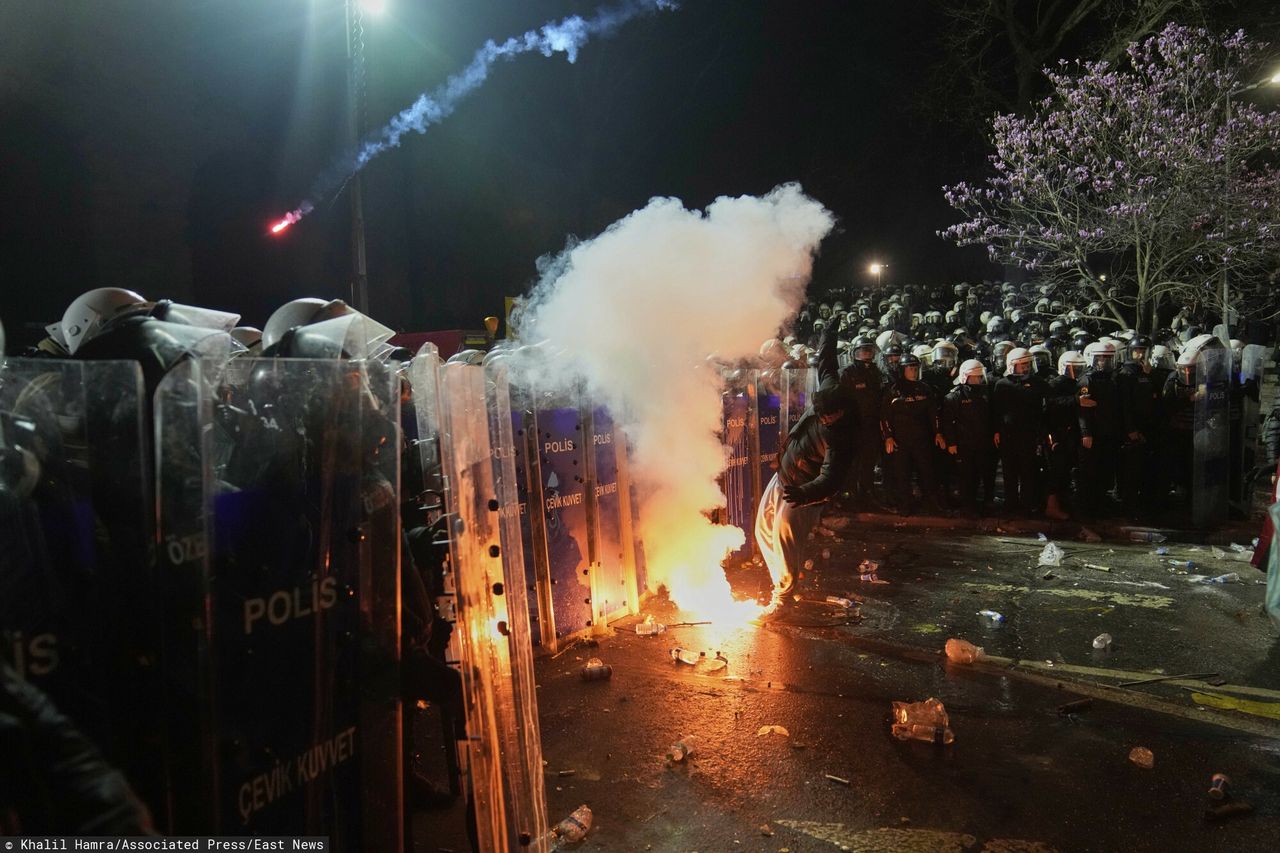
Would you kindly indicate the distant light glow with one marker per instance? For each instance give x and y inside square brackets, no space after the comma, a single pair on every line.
[374,7]
[1275,78]
[876,269]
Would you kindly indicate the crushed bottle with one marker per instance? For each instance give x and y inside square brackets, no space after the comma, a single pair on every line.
[1229,577]
[687,656]
[649,627]
[597,670]
[926,721]
[683,748]
[1102,642]
[991,618]
[575,827]
[1052,555]
[962,651]
[841,602]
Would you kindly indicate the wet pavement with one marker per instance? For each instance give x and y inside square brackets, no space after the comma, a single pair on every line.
[1018,777]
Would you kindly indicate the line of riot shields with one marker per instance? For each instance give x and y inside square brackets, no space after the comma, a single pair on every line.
[211,582]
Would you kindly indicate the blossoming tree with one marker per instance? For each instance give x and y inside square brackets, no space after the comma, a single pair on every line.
[1154,171]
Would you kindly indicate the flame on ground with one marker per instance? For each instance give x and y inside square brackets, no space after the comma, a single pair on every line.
[686,559]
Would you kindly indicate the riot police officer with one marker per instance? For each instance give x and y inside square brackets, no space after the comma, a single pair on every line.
[1139,417]
[1062,420]
[969,433]
[910,431]
[864,386]
[1100,425]
[1018,403]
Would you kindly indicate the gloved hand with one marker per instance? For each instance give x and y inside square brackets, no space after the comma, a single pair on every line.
[890,445]
[940,441]
[792,495]
[953,450]
[1087,442]
[996,438]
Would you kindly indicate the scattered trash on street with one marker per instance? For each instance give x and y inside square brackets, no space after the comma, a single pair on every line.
[766,830]
[990,618]
[1182,564]
[1102,642]
[1075,707]
[1051,555]
[842,602]
[1096,567]
[575,827]
[773,730]
[826,553]
[1161,551]
[566,773]
[1042,537]
[683,748]
[839,779]
[687,656]
[1229,577]
[926,721]
[597,670]
[1218,786]
[649,626]
[717,663]
[837,522]
[1142,757]
[962,651]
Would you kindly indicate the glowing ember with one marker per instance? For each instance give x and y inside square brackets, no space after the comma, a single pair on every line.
[280,226]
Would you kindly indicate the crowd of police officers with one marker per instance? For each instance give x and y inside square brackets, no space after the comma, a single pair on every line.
[1081,417]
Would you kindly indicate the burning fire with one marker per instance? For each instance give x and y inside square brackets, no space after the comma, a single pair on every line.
[280,226]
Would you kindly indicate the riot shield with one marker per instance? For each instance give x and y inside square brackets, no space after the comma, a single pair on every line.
[797,384]
[740,413]
[78,611]
[610,594]
[502,736]
[1253,364]
[769,409]
[279,492]
[1210,477]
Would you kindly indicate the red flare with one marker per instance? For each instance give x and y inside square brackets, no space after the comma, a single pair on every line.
[281,225]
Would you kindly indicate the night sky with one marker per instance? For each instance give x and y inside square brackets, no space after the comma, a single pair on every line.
[151,144]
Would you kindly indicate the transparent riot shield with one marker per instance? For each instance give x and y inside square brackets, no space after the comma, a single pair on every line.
[78,613]
[797,384]
[494,651]
[1211,478]
[739,478]
[769,411]
[288,673]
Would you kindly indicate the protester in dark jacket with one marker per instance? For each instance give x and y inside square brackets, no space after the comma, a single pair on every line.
[812,466]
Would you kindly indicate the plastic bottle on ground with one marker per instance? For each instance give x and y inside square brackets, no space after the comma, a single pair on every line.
[1102,642]
[688,656]
[597,670]
[575,827]
[991,618]
[1218,786]
[962,651]
[926,721]
[683,748]
[1230,577]
[649,626]
[842,602]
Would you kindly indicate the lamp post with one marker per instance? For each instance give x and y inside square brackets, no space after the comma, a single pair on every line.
[1273,80]
[876,269]
[355,11]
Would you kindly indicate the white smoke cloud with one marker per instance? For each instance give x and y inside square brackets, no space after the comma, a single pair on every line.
[636,311]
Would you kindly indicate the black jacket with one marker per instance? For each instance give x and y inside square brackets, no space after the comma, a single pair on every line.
[864,384]
[815,457]
[1139,399]
[910,411]
[1018,403]
[1102,420]
[966,418]
[1061,410]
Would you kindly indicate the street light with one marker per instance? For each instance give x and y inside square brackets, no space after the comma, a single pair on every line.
[876,269]
[1273,80]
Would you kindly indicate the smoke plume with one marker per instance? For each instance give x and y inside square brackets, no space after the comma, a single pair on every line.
[566,36]
[637,310]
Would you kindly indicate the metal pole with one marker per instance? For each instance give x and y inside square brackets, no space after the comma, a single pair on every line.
[1226,190]
[355,104]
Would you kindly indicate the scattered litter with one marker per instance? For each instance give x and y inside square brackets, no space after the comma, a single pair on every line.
[1142,757]
[1229,577]
[808,565]
[962,651]
[926,721]
[1188,565]
[766,830]
[683,748]
[1048,576]
[823,530]
[1096,567]
[1217,552]
[1051,555]
[597,670]
[1227,810]
[1088,535]
[1075,707]
[826,553]
[991,618]
[1271,710]
[1218,786]
[687,656]
[837,779]
[649,626]
[565,773]
[1239,549]
[843,602]
[773,730]
[839,522]
[1237,553]
[867,570]
[1161,551]
[717,663]
[1102,642]
[575,827]
[1042,537]
[1146,536]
